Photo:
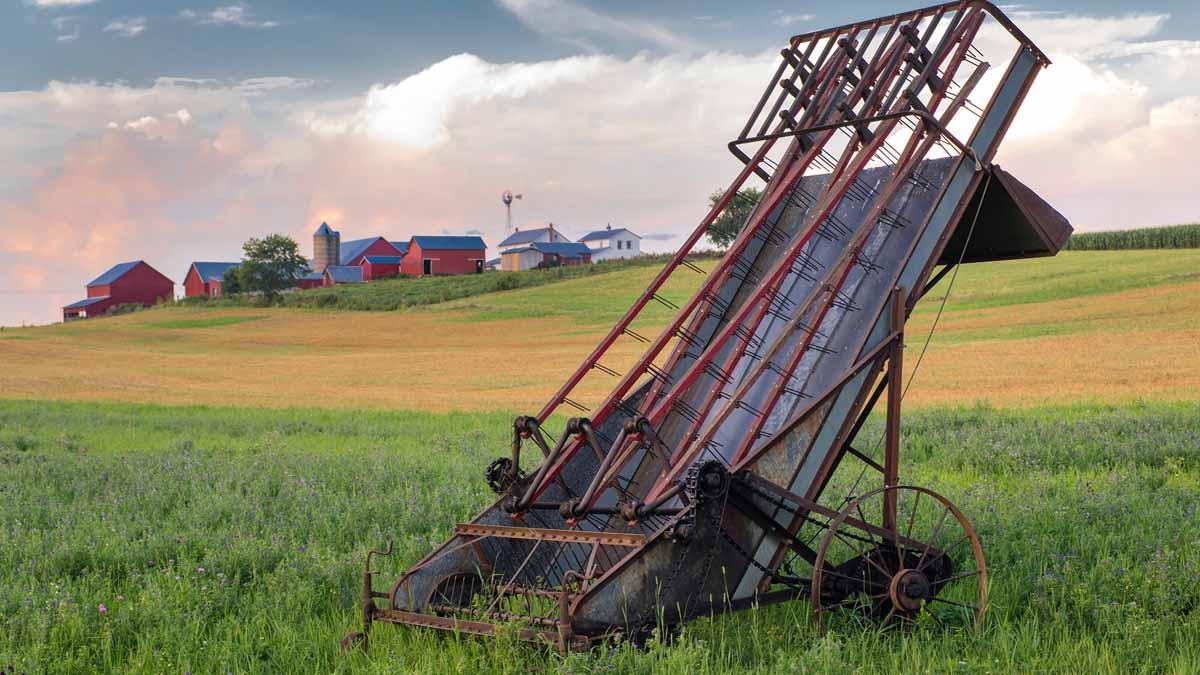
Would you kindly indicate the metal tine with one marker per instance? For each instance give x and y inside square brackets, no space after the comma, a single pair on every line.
[775,368]
[605,369]
[608,440]
[658,373]
[741,403]
[792,391]
[576,405]
[685,410]
[687,336]
[802,272]
[626,408]
[717,373]
[716,302]
[665,302]
[865,262]
[712,448]
[635,335]
[692,266]
[821,349]
[746,335]
[843,301]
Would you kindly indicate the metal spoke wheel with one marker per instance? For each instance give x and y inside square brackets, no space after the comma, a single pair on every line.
[926,561]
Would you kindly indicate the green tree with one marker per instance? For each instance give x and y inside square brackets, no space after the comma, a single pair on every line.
[231,281]
[726,227]
[270,265]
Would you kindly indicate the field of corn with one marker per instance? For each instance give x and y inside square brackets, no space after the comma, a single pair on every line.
[1171,236]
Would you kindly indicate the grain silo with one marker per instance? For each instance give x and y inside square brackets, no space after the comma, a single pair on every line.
[327,248]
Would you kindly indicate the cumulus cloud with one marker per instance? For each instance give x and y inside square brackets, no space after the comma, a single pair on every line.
[127,28]
[416,111]
[573,23]
[238,15]
[1105,132]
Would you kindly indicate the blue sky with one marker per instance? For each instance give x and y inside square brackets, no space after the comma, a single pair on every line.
[353,44]
[170,131]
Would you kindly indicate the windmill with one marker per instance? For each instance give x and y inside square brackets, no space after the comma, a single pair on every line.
[508,198]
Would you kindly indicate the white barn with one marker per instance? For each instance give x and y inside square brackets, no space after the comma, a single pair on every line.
[610,244]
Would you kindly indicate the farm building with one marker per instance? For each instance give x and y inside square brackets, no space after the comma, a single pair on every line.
[444,254]
[342,274]
[327,248]
[610,244]
[544,254]
[380,266]
[311,280]
[204,278]
[330,251]
[523,238]
[127,283]
[354,251]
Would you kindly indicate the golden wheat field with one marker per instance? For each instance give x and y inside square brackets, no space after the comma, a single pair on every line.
[1084,326]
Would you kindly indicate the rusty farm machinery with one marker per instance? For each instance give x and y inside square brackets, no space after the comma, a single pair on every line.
[728,466]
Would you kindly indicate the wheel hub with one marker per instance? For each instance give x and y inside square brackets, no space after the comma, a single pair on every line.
[908,589]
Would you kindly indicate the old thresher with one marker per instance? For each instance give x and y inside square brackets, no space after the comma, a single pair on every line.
[726,467]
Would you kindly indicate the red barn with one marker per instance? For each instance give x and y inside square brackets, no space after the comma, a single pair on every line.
[311,280]
[380,266]
[444,255]
[204,278]
[127,283]
[354,251]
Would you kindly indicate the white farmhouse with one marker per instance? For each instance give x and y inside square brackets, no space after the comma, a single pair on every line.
[610,244]
[523,238]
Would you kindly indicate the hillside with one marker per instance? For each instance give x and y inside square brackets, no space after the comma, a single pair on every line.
[1102,326]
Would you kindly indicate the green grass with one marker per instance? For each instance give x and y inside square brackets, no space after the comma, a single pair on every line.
[1171,236]
[207,322]
[399,293]
[232,540]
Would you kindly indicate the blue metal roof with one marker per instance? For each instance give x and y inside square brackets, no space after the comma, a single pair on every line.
[606,234]
[565,249]
[401,246]
[212,270]
[345,274]
[86,302]
[313,276]
[354,248]
[383,259]
[450,243]
[526,236]
[115,272]
[325,230]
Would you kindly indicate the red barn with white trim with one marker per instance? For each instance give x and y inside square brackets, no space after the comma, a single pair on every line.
[428,255]
[127,283]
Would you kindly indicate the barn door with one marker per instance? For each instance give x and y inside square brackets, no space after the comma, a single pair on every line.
[478,266]
[427,267]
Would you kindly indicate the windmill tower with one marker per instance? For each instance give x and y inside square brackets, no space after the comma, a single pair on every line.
[508,198]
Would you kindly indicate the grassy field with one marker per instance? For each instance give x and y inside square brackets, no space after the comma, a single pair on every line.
[231,540]
[225,532]
[1084,326]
